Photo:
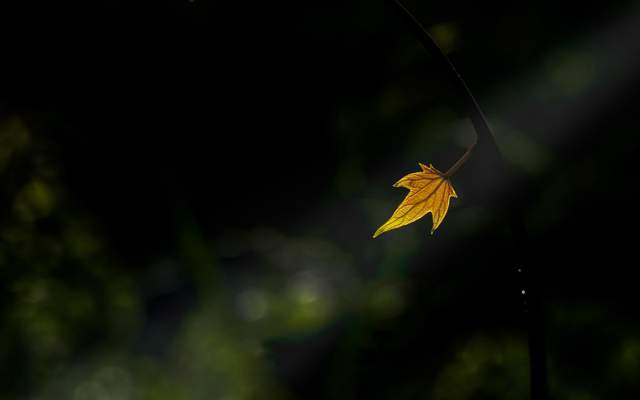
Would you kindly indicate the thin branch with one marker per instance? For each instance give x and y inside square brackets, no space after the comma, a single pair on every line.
[483,132]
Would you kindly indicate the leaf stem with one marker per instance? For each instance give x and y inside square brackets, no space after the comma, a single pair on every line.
[455,167]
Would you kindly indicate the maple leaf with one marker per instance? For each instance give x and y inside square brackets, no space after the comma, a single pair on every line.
[429,192]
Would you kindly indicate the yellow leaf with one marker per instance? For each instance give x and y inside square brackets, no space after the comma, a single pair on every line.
[429,192]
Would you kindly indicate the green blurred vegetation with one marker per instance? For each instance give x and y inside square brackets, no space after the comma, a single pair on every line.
[311,304]
[73,311]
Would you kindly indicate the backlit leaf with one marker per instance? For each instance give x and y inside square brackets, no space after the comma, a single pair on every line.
[429,192]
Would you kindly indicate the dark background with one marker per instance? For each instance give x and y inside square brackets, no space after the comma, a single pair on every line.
[189,191]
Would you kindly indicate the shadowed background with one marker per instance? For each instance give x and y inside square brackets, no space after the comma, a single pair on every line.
[189,191]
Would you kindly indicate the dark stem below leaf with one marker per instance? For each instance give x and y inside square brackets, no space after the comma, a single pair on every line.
[532,295]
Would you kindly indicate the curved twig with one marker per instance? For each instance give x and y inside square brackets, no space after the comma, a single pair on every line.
[483,132]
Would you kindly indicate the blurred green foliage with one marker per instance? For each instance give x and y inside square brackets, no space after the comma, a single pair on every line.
[72,310]
[80,321]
